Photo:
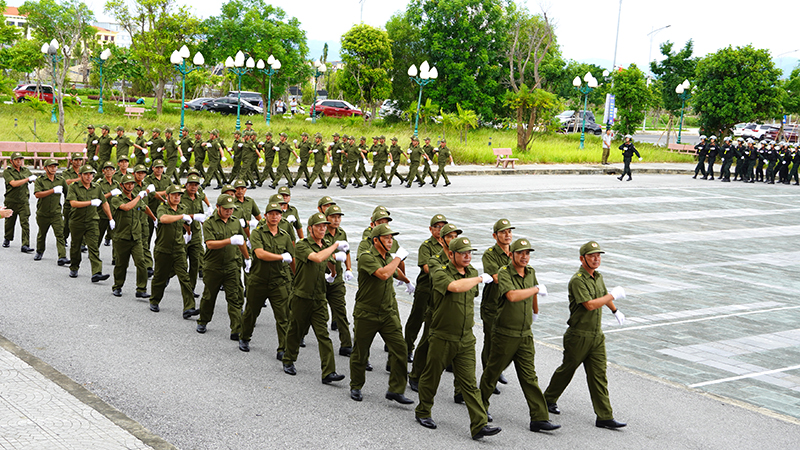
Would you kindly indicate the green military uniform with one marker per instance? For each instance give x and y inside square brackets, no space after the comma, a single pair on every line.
[268,150]
[396,153]
[104,145]
[194,249]
[169,256]
[48,213]
[249,163]
[336,291]
[18,199]
[156,146]
[238,151]
[128,240]
[422,295]
[161,185]
[83,223]
[375,311]
[493,259]
[584,343]
[221,268]
[428,150]
[290,212]
[187,148]
[141,158]
[91,147]
[318,150]
[451,341]
[414,156]
[102,225]
[269,280]
[69,174]
[512,339]
[304,151]
[123,144]
[336,161]
[171,160]
[352,155]
[380,156]
[444,159]
[361,169]
[284,152]
[214,163]
[307,304]
[199,150]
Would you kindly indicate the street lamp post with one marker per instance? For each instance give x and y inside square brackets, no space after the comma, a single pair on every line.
[239,67]
[100,61]
[178,59]
[683,92]
[51,50]
[591,83]
[426,76]
[274,65]
[319,69]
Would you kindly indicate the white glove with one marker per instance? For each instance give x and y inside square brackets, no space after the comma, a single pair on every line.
[253,223]
[32,178]
[199,217]
[260,143]
[177,142]
[348,275]
[618,293]
[147,160]
[291,218]
[247,264]
[329,277]
[96,202]
[94,141]
[298,159]
[340,256]
[343,246]
[640,158]
[183,159]
[410,288]
[209,211]
[241,145]
[542,290]
[287,257]
[58,189]
[453,164]
[95,158]
[276,148]
[374,153]
[114,142]
[142,194]
[187,218]
[315,151]
[295,141]
[145,151]
[486,278]
[338,151]
[149,143]
[130,170]
[620,317]
[400,283]
[159,149]
[187,237]
[242,223]
[207,144]
[261,160]
[150,188]
[224,159]
[237,239]
[115,192]
[401,253]
[328,166]
[112,224]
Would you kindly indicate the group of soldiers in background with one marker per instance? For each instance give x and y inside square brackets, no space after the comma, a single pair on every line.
[755,161]
[344,158]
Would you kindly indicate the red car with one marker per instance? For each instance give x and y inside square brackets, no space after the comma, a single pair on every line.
[790,133]
[335,108]
[29,90]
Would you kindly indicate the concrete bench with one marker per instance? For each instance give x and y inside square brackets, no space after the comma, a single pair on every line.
[684,149]
[133,111]
[504,157]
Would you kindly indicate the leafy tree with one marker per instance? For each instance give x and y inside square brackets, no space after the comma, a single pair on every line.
[466,40]
[672,70]
[560,83]
[736,85]
[259,30]
[158,27]
[367,57]
[407,49]
[68,23]
[791,101]
[632,97]
[120,66]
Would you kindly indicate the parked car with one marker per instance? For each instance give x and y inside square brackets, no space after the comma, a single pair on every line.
[739,128]
[23,91]
[759,132]
[227,105]
[790,133]
[575,123]
[335,108]
[197,104]
[565,116]
[390,108]
[253,97]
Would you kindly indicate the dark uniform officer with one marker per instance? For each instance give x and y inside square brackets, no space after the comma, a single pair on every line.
[17,199]
[127,209]
[512,339]
[712,150]
[455,285]
[415,154]
[336,152]
[84,197]
[193,199]
[493,259]
[273,251]
[48,189]
[375,311]
[307,304]
[304,152]
[628,150]
[727,154]
[444,158]
[701,149]
[795,165]
[318,150]
[224,237]
[584,341]
[284,150]
[395,152]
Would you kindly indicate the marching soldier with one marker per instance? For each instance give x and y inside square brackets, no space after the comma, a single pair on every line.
[250,160]
[290,213]
[85,197]
[156,146]
[104,144]
[156,197]
[141,147]
[395,152]
[363,159]
[172,152]
[284,150]
[71,175]
[493,259]
[415,154]
[318,150]
[193,200]
[91,146]
[628,150]
[238,152]
[127,209]
[428,150]
[336,151]
[199,150]
[17,198]
[215,160]
[48,189]
[185,146]
[284,224]
[380,156]
[701,149]
[444,157]
[353,156]
[336,277]
[123,163]
[711,152]
[268,151]
[110,189]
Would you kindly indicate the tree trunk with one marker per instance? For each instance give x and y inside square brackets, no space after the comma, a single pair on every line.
[522,138]
[160,96]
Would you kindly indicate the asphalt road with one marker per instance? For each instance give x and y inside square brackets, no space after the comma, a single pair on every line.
[201,392]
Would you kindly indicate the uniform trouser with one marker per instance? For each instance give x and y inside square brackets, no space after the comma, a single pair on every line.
[759,170]
[231,279]
[141,158]
[335,295]
[302,171]
[256,174]
[488,318]
[167,265]
[146,233]
[725,170]
[194,253]
[23,211]
[521,351]
[771,171]
[336,169]
[246,173]
[461,354]
[626,169]
[591,352]
[237,164]
[441,174]
[710,170]
[352,175]
[413,171]
[365,326]
[215,172]
[283,171]
[784,172]
[198,164]
[361,169]
[751,170]
[268,172]
[306,313]
[318,172]
[58,230]
[87,232]
[257,293]
[185,165]
[379,171]
[606,152]
[172,172]
[793,174]
[416,318]
[65,214]
[124,249]
[395,173]
[426,170]
[104,230]
[421,354]
[701,166]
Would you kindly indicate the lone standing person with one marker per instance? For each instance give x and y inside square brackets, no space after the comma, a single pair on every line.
[607,138]
[628,150]
[584,341]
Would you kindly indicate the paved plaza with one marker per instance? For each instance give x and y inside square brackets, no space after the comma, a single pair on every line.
[709,356]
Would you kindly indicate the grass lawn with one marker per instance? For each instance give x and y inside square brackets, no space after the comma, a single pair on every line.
[22,122]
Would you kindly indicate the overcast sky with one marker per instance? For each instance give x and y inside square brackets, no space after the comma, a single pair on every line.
[585,29]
